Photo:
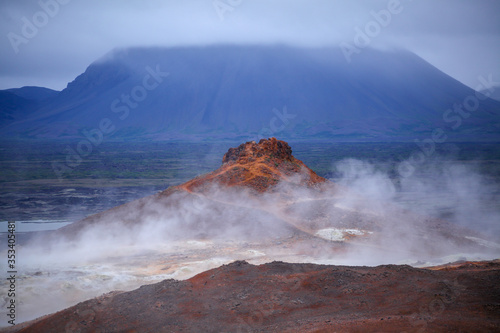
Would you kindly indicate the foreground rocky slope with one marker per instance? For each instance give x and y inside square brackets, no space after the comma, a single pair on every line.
[282,297]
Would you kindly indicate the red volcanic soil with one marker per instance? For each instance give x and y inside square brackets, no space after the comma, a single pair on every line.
[283,297]
[258,166]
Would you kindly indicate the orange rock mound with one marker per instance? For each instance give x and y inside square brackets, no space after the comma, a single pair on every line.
[258,166]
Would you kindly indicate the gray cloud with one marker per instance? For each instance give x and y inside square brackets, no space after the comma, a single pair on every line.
[460,37]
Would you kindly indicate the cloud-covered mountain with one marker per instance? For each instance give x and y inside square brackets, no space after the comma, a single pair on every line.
[238,92]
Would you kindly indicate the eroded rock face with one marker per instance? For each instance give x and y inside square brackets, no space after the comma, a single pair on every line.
[258,166]
[251,151]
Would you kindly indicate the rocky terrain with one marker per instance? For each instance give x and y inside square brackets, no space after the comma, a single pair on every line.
[283,297]
[260,209]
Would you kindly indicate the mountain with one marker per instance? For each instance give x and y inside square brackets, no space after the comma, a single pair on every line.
[493,92]
[19,103]
[248,92]
[284,297]
[38,94]
[13,107]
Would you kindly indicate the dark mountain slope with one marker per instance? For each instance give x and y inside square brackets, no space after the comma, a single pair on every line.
[19,103]
[13,107]
[38,94]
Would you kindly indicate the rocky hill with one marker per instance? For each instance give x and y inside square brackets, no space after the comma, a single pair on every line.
[246,174]
[258,166]
[261,188]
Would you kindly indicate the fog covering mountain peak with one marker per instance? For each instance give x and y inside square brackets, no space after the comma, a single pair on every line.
[245,92]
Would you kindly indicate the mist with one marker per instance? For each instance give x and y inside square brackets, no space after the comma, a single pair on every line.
[444,211]
[455,191]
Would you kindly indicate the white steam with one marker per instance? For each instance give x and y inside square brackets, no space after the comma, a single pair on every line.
[367,218]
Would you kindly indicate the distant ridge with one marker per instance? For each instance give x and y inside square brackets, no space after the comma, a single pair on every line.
[38,94]
[17,104]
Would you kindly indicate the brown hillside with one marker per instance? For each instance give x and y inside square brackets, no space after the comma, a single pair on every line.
[282,297]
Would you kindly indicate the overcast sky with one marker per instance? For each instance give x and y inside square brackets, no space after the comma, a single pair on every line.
[49,42]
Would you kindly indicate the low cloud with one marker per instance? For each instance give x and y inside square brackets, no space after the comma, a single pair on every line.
[68,42]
